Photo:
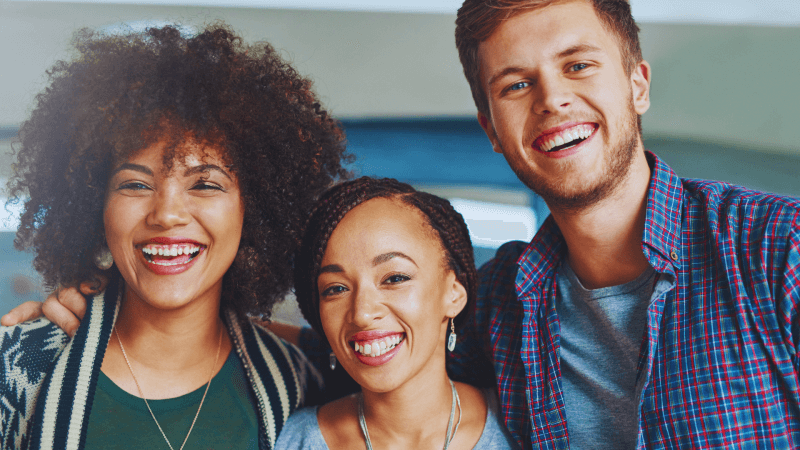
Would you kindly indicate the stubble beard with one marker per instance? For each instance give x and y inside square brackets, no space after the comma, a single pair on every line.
[572,195]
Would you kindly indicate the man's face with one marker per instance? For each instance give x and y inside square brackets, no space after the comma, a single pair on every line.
[563,110]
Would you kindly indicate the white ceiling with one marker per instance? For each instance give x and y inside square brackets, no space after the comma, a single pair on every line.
[729,12]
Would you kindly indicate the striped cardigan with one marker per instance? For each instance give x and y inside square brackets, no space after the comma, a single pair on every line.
[47,380]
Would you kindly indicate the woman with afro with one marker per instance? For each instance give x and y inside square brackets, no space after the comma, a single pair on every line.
[179,169]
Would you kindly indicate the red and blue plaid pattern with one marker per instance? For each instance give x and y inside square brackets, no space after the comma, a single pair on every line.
[718,364]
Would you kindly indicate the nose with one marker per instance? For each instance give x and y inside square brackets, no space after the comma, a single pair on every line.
[366,307]
[168,210]
[552,95]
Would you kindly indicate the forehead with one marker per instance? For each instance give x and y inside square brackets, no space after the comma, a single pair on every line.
[382,224]
[165,154]
[537,36]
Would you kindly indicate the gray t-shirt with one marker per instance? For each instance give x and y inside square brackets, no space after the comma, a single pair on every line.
[601,336]
[302,432]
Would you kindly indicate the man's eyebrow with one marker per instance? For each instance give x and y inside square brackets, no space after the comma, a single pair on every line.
[380,259]
[507,71]
[205,168]
[567,52]
[135,167]
[579,48]
[331,268]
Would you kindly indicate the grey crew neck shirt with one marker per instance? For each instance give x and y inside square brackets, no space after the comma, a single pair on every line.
[601,336]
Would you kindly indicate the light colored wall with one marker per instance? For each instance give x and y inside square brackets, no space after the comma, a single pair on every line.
[730,84]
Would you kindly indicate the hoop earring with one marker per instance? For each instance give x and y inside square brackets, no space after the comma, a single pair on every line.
[451,341]
[103,259]
[332,359]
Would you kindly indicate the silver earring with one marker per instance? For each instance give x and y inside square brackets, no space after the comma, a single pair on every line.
[332,357]
[103,258]
[451,341]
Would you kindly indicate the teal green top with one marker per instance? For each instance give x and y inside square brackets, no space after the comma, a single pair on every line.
[227,420]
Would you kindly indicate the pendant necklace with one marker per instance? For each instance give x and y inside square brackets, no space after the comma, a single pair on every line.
[211,376]
[448,438]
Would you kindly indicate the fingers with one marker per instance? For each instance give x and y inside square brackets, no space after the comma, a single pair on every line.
[72,300]
[95,286]
[23,312]
[60,315]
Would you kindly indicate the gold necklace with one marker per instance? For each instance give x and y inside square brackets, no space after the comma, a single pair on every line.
[211,376]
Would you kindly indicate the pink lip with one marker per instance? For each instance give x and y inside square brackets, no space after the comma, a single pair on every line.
[167,240]
[555,130]
[362,336]
[159,269]
[379,360]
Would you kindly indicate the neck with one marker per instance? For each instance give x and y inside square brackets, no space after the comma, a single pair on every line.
[604,241]
[170,351]
[416,412]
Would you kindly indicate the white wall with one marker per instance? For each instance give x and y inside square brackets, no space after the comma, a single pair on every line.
[730,84]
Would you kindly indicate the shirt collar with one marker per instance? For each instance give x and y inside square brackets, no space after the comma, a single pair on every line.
[661,231]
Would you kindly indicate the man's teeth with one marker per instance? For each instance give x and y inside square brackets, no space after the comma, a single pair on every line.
[567,136]
[378,347]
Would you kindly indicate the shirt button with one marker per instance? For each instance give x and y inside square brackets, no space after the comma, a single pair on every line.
[673,255]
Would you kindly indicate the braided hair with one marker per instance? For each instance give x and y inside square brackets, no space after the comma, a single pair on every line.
[339,200]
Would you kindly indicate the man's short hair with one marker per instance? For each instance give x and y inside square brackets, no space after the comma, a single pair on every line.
[478,19]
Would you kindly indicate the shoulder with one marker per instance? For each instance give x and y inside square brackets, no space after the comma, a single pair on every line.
[502,269]
[301,431]
[30,346]
[495,434]
[338,422]
[27,353]
[739,202]
[291,364]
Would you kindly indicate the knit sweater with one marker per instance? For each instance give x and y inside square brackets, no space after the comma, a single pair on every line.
[47,380]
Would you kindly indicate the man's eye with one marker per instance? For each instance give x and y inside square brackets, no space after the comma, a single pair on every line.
[518,86]
[578,67]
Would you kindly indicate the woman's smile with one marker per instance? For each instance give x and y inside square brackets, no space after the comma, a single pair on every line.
[182,225]
[385,294]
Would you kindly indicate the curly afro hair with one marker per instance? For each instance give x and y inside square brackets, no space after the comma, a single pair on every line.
[446,222]
[122,93]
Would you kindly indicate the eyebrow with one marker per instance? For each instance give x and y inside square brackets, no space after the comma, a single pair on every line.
[567,52]
[380,259]
[376,261]
[135,167]
[190,171]
[205,168]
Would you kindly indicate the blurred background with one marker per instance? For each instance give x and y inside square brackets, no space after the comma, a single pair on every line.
[724,95]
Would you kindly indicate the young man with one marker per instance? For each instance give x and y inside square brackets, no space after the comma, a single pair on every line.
[649,311]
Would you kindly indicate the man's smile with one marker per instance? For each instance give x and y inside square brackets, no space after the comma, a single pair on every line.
[564,137]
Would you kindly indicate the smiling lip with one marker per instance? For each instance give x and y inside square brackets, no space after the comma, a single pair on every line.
[160,254]
[566,132]
[366,337]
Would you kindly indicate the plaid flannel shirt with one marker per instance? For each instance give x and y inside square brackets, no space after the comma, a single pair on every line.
[718,364]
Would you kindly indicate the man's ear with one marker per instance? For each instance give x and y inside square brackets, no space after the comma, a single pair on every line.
[488,128]
[640,85]
[456,299]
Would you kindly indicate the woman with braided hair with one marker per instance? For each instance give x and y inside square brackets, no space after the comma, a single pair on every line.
[386,275]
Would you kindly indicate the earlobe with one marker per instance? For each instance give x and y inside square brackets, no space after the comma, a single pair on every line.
[640,85]
[488,128]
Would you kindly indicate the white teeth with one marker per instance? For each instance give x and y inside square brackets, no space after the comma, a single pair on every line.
[377,348]
[577,132]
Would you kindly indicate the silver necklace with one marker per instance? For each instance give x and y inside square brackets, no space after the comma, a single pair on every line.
[448,438]
[216,359]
